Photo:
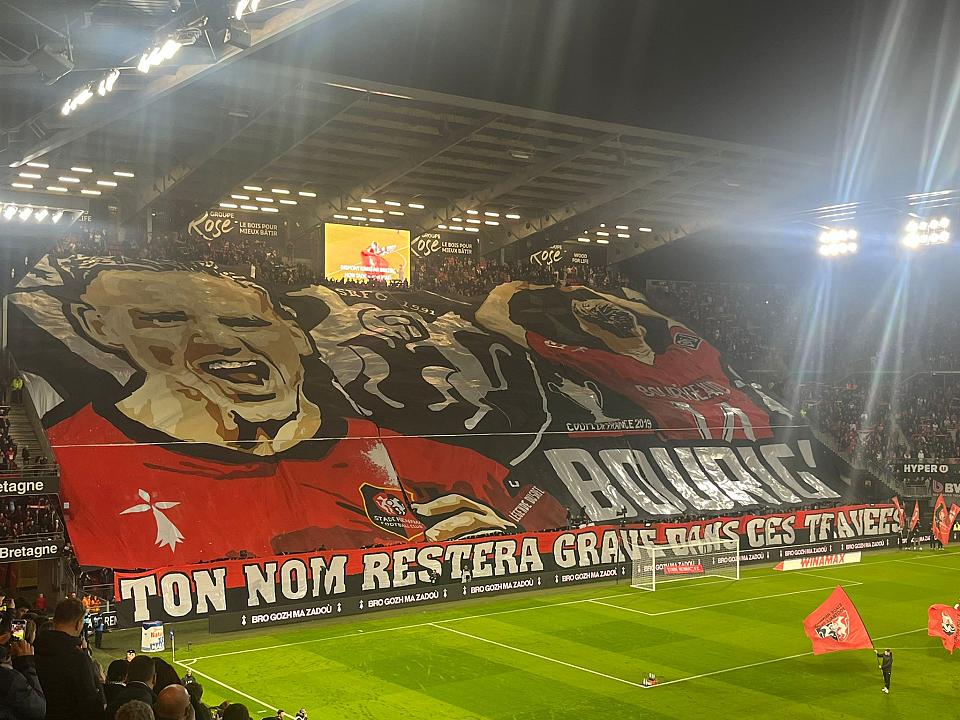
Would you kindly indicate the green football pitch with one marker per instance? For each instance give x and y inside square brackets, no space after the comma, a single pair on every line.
[719,647]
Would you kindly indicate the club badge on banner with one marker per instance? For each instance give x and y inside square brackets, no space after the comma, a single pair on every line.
[942,622]
[152,638]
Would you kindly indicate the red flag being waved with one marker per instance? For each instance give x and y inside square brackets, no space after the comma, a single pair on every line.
[901,514]
[836,625]
[942,622]
[943,519]
[915,518]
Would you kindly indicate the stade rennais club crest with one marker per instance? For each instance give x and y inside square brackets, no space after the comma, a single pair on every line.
[327,417]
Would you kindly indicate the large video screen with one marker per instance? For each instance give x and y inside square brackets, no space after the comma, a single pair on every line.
[366,253]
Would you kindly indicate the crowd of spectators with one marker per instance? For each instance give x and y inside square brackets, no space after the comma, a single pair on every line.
[744,321]
[47,672]
[29,517]
[890,419]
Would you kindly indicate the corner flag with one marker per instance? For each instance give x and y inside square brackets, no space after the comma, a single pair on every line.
[836,625]
[942,622]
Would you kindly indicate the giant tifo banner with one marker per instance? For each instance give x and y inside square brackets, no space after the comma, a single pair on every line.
[243,594]
[197,415]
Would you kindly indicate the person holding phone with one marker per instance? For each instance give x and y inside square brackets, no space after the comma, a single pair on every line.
[20,693]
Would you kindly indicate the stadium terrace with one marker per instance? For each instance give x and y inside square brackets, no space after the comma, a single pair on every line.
[358,356]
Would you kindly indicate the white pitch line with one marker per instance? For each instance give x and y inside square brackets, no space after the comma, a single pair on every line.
[715,581]
[768,662]
[541,657]
[726,670]
[232,689]
[360,633]
[711,605]
[924,562]
[848,581]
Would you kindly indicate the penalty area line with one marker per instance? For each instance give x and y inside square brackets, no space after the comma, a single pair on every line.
[540,657]
[232,689]
[710,605]
[773,660]
[394,628]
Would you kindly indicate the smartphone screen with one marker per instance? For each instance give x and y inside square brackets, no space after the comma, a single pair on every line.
[18,629]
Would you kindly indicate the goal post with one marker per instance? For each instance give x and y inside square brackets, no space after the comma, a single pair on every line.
[657,564]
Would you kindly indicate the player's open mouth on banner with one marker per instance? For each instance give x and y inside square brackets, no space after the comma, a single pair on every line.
[250,372]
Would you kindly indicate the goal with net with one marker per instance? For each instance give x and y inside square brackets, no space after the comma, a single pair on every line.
[656,564]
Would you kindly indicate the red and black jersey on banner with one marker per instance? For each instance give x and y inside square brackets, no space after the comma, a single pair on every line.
[655,362]
[197,414]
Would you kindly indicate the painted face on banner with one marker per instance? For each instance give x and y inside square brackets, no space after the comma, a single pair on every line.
[205,338]
[604,320]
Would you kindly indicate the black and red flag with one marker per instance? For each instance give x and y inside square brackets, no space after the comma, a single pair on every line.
[942,622]
[836,625]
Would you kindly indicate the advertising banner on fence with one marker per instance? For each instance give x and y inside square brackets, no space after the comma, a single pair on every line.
[152,637]
[435,248]
[32,549]
[366,580]
[221,228]
[343,417]
[569,254]
[17,484]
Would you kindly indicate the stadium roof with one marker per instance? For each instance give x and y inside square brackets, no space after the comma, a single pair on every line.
[197,131]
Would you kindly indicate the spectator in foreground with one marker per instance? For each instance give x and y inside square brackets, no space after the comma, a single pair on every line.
[196,695]
[21,697]
[135,710]
[66,671]
[141,678]
[236,711]
[116,680]
[166,675]
[173,703]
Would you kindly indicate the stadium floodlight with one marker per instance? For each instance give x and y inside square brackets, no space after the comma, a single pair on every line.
[25,213]
[55,218]
[9,211]
[512,216]
[919,233]
[40,214]
[837,242]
